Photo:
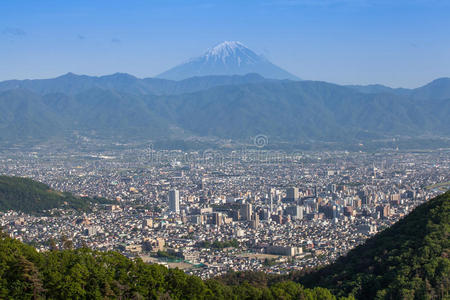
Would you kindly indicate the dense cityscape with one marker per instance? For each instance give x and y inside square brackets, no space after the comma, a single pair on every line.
[217,150]
[208,212]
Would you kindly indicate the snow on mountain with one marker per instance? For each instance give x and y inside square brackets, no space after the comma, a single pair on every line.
[227,58]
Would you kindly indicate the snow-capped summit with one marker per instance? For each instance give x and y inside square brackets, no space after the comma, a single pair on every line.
[229,51]
[225,48]
[227,58]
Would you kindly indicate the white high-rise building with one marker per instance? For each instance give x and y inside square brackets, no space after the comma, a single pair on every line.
[174,201]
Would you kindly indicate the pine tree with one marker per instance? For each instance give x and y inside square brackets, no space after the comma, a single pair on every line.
[31,276]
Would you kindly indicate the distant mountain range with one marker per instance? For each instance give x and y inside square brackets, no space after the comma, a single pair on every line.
[437,89]
[228,107]
[72,84]
[227,58]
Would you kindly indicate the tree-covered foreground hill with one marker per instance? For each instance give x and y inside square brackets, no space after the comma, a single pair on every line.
[87,274]
[29,196]
[409,260]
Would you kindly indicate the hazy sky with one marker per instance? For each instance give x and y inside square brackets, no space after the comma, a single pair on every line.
[393,42]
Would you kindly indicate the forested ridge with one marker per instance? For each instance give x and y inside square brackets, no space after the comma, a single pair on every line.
[29,196]
[88,274]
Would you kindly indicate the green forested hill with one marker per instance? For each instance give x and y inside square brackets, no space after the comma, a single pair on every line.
[87,274]
[29,196]
[409,260]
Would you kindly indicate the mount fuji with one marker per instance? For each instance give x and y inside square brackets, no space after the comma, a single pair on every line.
[227,58]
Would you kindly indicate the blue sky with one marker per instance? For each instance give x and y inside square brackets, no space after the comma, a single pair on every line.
[396,42]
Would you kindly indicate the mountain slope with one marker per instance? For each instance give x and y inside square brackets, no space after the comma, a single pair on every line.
[380,89]
[108,113]
[305,110]
[200,83]
[227,58]
[23,115]
[437,89]
[230,107]
[409,260]
[29,196]
[71,84]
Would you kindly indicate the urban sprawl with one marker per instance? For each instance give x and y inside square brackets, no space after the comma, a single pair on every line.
[209,212]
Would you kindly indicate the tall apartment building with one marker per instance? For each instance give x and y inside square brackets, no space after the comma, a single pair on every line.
[174,201]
